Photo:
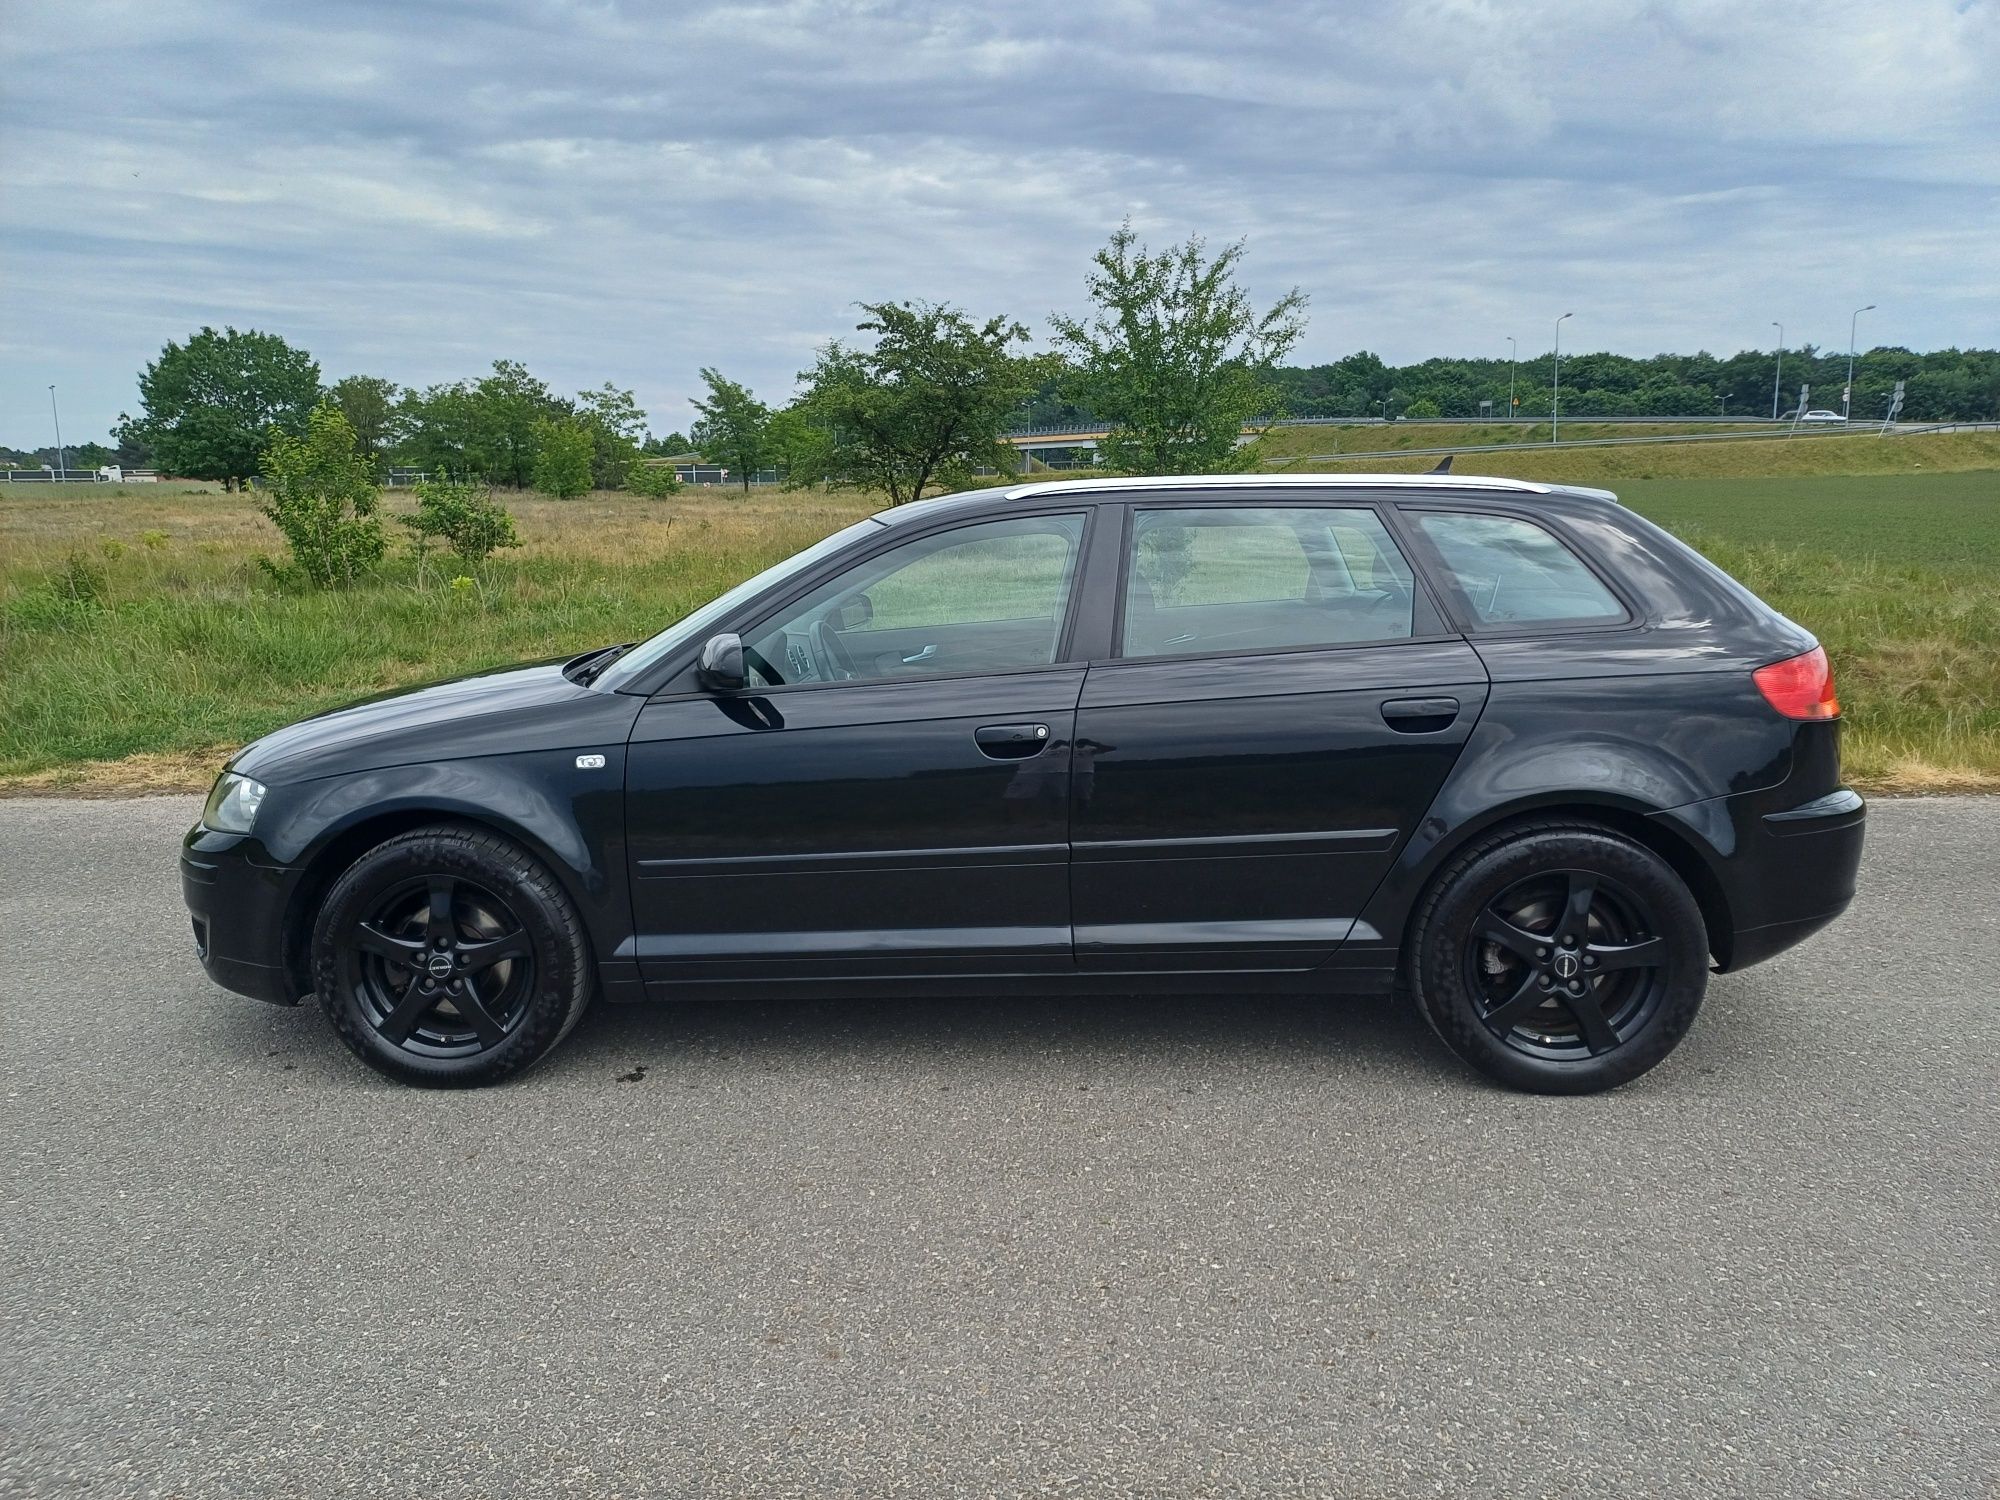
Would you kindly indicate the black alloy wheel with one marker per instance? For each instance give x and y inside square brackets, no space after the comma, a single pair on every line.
[1566,965]
[1560,957]
[442,967]
[450,956]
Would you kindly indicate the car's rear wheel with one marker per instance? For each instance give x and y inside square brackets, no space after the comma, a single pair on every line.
[448,956]
[1559,957]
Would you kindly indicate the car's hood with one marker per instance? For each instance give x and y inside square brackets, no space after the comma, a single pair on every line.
[488,713]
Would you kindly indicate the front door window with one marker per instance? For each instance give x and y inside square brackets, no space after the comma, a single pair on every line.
[990,597]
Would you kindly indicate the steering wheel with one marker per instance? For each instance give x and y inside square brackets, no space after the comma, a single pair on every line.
[831,657]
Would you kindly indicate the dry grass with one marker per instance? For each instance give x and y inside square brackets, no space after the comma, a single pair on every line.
[155,774]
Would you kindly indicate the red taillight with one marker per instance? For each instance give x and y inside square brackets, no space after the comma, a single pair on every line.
[1800,687]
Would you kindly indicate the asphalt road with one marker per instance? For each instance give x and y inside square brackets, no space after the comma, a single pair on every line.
[1193,1247]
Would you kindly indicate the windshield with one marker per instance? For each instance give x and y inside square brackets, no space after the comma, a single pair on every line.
[696,627]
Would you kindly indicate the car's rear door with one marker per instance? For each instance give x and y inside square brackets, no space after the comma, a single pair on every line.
[1282,703]
[891,796]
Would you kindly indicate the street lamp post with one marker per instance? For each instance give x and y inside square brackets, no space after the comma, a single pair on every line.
[1847,395]
[1556,406]
[1513,359]
[1777,380]
[60,465]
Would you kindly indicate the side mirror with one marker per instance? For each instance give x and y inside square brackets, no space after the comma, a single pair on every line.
[721,666]
[854,611]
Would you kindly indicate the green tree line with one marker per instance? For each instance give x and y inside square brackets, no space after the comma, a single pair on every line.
[1171,356]
[1946,385]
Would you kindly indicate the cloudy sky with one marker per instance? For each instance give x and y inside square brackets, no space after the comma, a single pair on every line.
[627,192]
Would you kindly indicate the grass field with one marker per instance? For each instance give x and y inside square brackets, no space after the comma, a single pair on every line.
[1855,453]
[140,640]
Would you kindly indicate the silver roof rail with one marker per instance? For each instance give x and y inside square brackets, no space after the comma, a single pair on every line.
[1294,481]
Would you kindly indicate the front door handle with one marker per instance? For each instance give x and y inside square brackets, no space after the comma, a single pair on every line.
[1420,715]
[924,655]
[1010,741]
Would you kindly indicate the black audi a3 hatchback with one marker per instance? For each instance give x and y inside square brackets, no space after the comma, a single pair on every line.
[1506,744]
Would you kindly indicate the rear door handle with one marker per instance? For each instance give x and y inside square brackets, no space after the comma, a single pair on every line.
[1011,741]
[1420,715]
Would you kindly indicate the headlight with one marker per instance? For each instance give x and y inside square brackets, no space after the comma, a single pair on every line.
[232,805]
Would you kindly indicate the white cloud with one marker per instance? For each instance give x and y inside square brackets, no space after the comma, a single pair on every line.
[628,192]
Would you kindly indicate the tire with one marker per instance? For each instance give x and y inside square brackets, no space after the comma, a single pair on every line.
[1559,957]
[478,920]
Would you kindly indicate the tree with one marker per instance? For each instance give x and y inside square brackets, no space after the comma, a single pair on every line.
[927,403]
[369,404]
[563,450]
[1175,358]
[802,446]
[616,428]
[734,427]
[671,445]
[208,407]
[321,495]
[435,428]
[508,411]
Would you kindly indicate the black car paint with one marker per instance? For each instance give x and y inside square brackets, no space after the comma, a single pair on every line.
[839,838]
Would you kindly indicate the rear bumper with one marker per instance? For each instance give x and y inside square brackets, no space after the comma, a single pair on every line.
[1785,871]
[236,907]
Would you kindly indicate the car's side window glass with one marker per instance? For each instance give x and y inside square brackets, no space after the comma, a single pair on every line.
[989,597]
[1250,579]
[1513,572]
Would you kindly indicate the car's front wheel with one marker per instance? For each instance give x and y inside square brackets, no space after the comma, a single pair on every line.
[1559,957]
[450,957]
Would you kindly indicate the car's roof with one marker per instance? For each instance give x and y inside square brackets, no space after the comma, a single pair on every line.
[1463,485]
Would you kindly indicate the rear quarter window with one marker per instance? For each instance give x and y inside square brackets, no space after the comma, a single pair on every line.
[1514,572]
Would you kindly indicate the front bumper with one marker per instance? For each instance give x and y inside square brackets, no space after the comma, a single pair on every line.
[237,908]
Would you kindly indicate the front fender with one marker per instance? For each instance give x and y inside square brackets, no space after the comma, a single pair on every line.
[572,819]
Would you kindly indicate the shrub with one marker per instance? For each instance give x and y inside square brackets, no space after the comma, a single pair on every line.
[322,496]
[465,517]
[652,480]
[79,582]
[562,464]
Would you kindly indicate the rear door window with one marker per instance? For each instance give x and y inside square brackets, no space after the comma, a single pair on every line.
[1513,572]
[1261,579]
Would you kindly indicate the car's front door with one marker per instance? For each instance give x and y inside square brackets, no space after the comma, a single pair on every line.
[890,795]
[1283,704]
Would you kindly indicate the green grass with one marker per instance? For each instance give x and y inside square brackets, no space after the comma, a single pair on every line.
[1899,576]
[1850,453]
[139,639]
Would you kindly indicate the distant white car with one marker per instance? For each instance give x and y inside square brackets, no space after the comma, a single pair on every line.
[1822,416]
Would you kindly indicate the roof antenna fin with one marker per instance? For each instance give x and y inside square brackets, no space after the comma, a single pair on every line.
[1444,464]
